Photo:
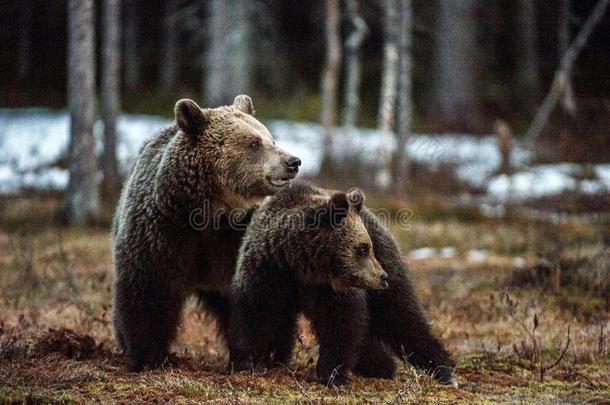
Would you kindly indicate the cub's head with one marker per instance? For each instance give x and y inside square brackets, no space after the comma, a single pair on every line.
[237,149]
[354,263]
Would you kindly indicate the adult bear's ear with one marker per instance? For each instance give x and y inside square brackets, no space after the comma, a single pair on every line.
[335,210]
[244,104]
[355,198]
[189,117]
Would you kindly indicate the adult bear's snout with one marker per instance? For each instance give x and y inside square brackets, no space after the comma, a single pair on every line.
[292,164]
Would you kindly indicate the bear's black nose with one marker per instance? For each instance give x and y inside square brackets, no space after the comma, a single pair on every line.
[293,164]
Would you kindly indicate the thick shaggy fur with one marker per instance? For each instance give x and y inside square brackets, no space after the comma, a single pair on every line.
[285,269]
[173,232]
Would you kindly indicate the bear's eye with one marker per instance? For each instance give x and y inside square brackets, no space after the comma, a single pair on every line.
[255,144]
[362,250]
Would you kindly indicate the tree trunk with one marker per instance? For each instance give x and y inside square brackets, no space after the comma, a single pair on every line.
[455,90]
[568,101]
[82,196]
[353,46]
[229,55]
[330,83]
[169,49]
[131,44]
[389,87]
[565,68]
[405,101]
[527,51]
[24,55]
[111,73]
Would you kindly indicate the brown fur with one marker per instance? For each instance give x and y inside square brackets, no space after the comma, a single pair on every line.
[285,269]
[212,161]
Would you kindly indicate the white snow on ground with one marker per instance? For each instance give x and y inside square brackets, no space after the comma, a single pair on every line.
[477,256]
[33,139]
[422,253]
[548,179]
[448,252]
[475,158]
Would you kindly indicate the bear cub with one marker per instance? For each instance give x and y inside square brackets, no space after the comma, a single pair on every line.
[322,254]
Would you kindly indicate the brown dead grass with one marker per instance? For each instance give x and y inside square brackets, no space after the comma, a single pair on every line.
[56,343]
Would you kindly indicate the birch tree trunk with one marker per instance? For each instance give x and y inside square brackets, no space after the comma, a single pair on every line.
[131,45]
[455,89]
[389,87]
[229,55]
[330,83]
[353,65]
[111,82]
[82,195]
[24,55]
[405,100]
[568,101]
[169,51]
[527,51]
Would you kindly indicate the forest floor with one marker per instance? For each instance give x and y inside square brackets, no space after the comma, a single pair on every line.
[56,338]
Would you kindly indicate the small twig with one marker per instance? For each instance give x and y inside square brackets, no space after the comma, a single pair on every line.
[559,359]
[333,375]
[67,266]
[299,385]
[600,339]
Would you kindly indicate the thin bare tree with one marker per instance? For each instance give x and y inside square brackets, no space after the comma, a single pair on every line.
[228,58]
[82,195]
[568,101]
[111,88]
[405,97]
[389,85]
[330,83]
[131,51]
[353,64]
[527,52]
[561,74]
[169,47]
[455,74]
[24,55]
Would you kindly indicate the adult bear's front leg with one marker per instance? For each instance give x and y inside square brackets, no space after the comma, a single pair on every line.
[146,317]
[339,319]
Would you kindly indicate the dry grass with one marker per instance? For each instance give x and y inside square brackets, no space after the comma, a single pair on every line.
[56,340]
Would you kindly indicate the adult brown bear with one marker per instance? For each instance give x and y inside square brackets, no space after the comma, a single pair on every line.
[174,231]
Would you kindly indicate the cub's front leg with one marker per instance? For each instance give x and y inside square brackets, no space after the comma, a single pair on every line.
[340,320]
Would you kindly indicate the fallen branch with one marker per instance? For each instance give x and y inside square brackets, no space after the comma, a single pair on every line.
[562,74]
[545,368]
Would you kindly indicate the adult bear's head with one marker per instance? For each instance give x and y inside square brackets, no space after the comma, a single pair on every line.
[229,149]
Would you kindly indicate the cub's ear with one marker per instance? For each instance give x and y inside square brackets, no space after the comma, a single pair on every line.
[189,117]
[244,104]
[355,198]
[335,210]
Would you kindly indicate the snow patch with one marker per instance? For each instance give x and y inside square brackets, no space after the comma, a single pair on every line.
[33,141]
[477,256]
[447,252]
[422,253]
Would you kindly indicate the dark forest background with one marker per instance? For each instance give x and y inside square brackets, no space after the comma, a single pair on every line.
[288,54]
